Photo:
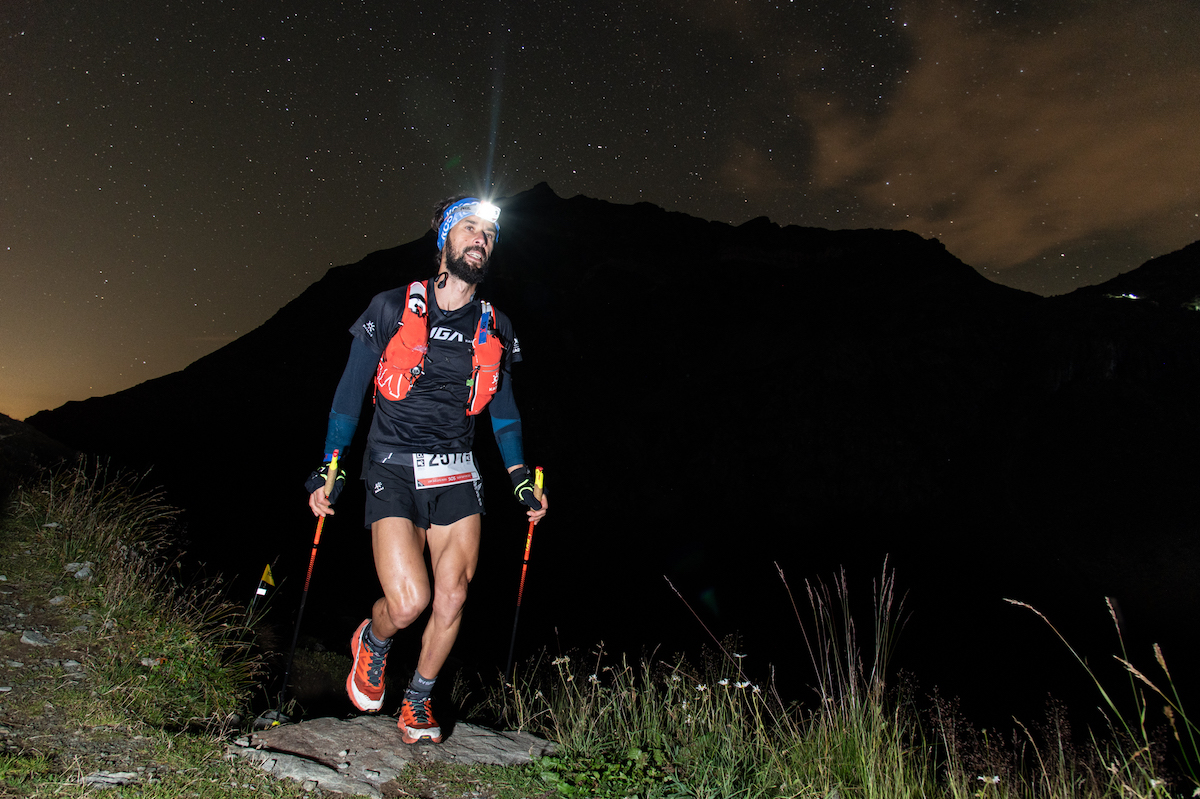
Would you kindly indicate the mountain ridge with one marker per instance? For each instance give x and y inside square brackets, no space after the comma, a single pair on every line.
[837,397]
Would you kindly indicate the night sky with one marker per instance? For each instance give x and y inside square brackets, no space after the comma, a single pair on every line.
[172,173]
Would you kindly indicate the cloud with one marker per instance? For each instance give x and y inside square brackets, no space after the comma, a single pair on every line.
[748,171]
[1008,146]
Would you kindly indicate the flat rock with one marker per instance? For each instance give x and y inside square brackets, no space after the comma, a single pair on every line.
[356,756]
[35,638]
[108,778]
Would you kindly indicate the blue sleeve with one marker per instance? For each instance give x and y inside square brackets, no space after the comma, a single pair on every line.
[506,424]
[347,400]
[506,419]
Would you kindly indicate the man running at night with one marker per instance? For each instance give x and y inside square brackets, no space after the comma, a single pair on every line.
[436,355]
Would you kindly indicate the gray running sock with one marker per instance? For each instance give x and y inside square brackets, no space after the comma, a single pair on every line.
[419,688]
[377,646]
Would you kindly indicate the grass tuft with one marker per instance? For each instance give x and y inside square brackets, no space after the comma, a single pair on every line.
[144,675]
[173,655]
[664,728]
[1130,759]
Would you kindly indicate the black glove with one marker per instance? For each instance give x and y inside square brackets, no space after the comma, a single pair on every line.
[317,480]
[523,487]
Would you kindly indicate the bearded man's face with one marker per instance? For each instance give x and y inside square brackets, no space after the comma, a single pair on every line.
[469,249]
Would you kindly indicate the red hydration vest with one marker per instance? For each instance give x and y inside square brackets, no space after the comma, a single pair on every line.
[403,360]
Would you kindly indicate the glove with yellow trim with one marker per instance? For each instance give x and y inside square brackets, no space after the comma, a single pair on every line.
[522,480]
[317,480]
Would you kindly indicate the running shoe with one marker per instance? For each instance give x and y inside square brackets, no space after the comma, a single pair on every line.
[364,684]
[417,722]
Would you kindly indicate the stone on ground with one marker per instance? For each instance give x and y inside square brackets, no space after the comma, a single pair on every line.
[356,756]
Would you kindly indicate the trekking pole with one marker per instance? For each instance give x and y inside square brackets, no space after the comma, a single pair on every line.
[537,492]
[330,479]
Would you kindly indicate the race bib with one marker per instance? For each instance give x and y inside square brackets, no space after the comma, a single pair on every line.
[436,470]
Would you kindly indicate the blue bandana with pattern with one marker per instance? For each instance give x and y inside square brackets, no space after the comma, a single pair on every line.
[461,210]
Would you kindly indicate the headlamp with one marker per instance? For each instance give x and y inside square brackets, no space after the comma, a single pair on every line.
[486,210]
[471,206]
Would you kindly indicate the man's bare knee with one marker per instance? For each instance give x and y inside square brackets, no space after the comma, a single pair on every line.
[448,602]
[403,610]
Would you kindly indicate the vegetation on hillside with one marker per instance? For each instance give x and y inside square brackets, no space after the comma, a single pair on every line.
[666,728]
[134,674]
[139,675]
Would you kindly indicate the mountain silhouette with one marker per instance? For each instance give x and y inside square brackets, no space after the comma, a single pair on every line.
[713,402]
[24,451]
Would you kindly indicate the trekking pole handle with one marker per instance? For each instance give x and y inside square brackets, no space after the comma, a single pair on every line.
[537,483]
[331,477]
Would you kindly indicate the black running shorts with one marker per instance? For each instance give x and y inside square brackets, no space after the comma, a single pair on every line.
[392,492]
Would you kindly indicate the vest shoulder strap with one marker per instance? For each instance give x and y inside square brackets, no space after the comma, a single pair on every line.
[403,359]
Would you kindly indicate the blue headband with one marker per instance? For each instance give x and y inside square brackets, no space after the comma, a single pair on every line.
[461,210]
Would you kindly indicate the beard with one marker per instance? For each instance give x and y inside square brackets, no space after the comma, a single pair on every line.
[457,265]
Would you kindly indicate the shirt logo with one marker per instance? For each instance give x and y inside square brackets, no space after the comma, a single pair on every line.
[446,334]
[370,328]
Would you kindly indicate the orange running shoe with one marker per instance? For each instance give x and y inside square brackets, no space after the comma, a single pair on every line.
[417,722]
[364,684]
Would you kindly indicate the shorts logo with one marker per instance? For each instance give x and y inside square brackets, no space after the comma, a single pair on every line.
[378,487]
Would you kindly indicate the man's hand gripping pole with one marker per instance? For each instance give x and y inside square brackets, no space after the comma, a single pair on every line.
[537,492]
[330,479]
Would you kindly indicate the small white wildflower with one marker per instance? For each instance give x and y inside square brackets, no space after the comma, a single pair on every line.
[560,661]
[701,687]
[593,679]
[675,678]
[1196,792]
[723,681]
[743,684]
[739,655]
[994,779]
[1154,783]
